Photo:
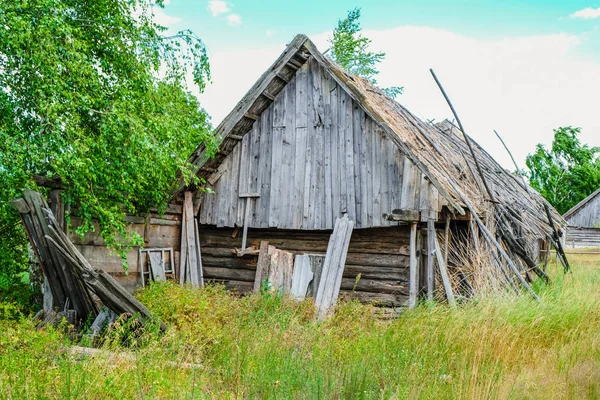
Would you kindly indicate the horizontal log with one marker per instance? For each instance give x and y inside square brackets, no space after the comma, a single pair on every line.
[373,286]
[222,246]
[237,274]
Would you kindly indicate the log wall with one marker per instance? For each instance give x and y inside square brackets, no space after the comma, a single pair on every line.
[157,231]
[582,237]
[379,255]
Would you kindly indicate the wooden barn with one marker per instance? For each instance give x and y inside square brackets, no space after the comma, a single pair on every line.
[583,222]
[310,143]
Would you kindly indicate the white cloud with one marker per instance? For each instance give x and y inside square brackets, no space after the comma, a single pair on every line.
[234,19]
[161,18]
[269,32]
[524,87]
[587,13]
[217,7]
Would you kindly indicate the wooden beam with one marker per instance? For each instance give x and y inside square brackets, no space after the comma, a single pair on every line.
[235,137]
[430,260]
[402,215]
[444,273]
[268,96]
[446,239]
[251,116]
[282,77]
[413,280]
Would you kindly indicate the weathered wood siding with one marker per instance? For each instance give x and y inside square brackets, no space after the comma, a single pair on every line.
[159,231]
[588,216]
[379,255]
[582,237]
[311,156]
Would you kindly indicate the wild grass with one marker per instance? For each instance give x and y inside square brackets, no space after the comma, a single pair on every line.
[263,346]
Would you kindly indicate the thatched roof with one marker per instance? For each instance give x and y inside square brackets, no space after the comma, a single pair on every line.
[438,151]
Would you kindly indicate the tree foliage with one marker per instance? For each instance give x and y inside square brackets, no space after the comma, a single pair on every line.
[351,51]
[567,172]
[95,93]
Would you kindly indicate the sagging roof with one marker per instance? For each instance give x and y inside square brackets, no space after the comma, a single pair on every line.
[438,151]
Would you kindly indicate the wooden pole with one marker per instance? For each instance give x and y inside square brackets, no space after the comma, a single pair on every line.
[446,239]
[444,274]
[467,139]
[558,244]
[525,186]
[430,259]
[413,280]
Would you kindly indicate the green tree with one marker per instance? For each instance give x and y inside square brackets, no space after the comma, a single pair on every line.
[567,172]
[351,51]
[95,93]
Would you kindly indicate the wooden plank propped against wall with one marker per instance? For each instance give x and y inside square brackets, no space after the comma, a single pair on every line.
[190,260]
[444,273]
[333,266]
[262,267]
[302,276]
[249,199]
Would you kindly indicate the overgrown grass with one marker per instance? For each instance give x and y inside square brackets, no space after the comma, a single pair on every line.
[264,346]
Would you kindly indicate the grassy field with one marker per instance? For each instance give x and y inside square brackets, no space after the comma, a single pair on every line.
[262,346]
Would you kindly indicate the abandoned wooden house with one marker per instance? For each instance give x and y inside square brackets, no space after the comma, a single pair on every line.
[583,222]
[310,143]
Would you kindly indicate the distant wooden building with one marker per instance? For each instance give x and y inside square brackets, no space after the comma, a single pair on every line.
[584,222]
[310,143]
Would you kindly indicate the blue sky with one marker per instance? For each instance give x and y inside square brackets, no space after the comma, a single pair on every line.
[521,67]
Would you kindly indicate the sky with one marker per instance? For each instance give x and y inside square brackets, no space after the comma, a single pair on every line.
[522,68]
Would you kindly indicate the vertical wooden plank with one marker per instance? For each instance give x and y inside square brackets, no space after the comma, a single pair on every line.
[413,277]
[349,164]
[376,168]
[301,277]
[288,201]
[263,203]
[384,175]
[245,149]
[408,185]
[198,254]
[317,190]
[247,211]
[368,138]
[157,266]
[335,155]
[316,266]
[253,173]
[301,166]
[192,254]
[362,183]
[234,200]
[262,266]
[333,266]
[358,156]
[223,186]
[276,168]
[342,172]
[328,86]
[430,258]
[182,248]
